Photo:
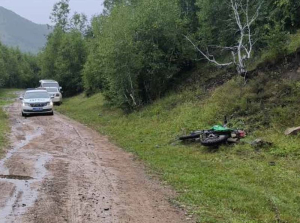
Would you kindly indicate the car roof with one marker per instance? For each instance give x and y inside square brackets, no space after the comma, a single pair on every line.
[48,81]
[35,91]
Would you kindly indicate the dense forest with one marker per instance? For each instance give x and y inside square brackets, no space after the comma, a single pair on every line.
[134,50]
[17,70]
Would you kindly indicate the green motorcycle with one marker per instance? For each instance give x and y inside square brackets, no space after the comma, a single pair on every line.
[217,135]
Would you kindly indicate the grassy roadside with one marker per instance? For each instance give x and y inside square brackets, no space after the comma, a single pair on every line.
[233,184]
[5,98]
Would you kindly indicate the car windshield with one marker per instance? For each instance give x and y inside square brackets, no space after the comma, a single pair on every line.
[52,90]
[50,85]
[32,95]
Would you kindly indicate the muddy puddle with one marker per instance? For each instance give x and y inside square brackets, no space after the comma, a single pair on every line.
[17,145]
[24,188]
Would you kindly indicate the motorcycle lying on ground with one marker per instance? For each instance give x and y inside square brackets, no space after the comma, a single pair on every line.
[215,136]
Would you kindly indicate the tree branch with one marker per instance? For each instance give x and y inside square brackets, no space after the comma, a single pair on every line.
[207,56]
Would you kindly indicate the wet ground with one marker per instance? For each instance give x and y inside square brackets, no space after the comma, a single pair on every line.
[57,170]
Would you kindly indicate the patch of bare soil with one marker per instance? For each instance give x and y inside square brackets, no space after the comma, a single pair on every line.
[58,170]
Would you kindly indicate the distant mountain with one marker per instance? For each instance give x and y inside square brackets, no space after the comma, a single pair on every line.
[19,32]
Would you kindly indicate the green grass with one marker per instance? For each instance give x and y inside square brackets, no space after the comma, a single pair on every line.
[5,98]
[231,184]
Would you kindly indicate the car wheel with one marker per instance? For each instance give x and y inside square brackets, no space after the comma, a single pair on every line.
[23,115]
[52,113]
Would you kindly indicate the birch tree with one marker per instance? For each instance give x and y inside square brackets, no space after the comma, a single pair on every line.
[243,49]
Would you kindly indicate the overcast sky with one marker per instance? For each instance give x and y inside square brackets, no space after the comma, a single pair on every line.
[38,11]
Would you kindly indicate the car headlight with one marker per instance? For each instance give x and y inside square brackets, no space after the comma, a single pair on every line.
[26,104]
[49,103]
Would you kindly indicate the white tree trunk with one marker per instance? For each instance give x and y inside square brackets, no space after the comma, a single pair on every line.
[242,50]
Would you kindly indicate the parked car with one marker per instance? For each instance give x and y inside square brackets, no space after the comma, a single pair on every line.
[50,83]
[57,96]
[36,101]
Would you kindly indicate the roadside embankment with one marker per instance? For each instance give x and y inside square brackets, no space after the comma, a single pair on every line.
[238,183]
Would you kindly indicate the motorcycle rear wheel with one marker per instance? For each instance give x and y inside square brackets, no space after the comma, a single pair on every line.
[214,140]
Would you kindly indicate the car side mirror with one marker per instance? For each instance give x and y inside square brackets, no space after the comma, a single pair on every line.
[60,88]
[21,98]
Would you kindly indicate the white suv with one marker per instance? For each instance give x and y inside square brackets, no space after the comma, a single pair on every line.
[36,102]
[50,83]
[57,96]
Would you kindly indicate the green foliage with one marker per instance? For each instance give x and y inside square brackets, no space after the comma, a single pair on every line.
[189,11]
[93,73]
[276,40]
[278,18]
[110,4]
[65,54]
[69,62]
[215,19]
[135,51]
[17,69]
[287,11]
[60,14]
[139,50]
[63,59]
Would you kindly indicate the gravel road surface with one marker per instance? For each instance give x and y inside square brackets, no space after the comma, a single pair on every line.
[57,170]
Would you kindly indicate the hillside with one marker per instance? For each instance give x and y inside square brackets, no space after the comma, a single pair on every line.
[234,183]
[19,32]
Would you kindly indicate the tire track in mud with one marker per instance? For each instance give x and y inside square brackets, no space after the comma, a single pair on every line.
[61,171]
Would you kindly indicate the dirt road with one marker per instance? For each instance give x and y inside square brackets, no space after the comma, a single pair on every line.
[58,170]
